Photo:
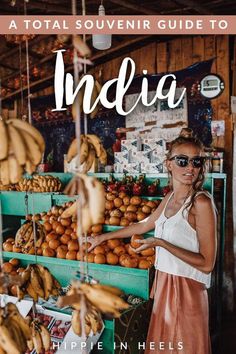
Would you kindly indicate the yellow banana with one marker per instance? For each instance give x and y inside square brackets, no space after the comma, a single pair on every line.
[17,335]
[34,154]
[37,341]
[36,283]
[96,142]
[7,342]
[84,150]
[73,150]
[20,292]
[31,292]
[76,322]
[30,130]
[29,167]
[15,170]
[103,156]
[111,289]
[103,300]
[4,172]
[69,211]
[18,144]
[47,280]
[45,337]
[96,198]
[3,140]
[87,221]
[89,161]
[15,315]
[30,344]
[81,46]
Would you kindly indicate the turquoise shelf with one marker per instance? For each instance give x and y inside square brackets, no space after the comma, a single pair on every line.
[130,280]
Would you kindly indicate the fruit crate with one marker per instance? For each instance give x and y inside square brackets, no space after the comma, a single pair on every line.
[130,280]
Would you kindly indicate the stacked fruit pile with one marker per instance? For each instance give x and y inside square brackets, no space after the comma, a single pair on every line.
[135,186]
[37,281]
[57,236]
[39,184]
[122,210]
[24,240]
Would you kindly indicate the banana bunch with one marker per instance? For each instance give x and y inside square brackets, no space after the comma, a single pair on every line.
[7,187]
[40,184]
[14,331]
[80,98]
[90,149]
[25,237]
[92,201]
[93,321]
[41,338]
[104,298]
[21,149]
[37,282]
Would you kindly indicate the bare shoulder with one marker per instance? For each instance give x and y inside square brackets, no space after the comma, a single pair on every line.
[203,202]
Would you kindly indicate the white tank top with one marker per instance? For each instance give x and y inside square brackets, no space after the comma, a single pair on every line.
[177,230]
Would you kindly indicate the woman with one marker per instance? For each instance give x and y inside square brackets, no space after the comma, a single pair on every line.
[185,241]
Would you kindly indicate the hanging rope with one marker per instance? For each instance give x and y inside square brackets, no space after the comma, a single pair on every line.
[27,70]
[21,81]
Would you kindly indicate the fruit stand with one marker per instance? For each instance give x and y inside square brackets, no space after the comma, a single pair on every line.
[15,205]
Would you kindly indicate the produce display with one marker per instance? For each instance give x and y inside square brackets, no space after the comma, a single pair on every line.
[41,337]
[21,149]
[37,281]
[133,186]
[39,184]
[122,210]
[57,237]
[24,240]
[90,149]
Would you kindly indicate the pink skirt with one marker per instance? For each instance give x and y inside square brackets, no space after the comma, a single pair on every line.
[179,320]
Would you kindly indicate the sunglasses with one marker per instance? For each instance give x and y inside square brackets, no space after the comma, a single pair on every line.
[183,161]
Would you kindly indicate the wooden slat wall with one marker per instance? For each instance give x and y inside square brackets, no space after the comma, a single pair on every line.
[178,54]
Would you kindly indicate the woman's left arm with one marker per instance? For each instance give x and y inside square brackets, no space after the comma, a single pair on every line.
[205,219]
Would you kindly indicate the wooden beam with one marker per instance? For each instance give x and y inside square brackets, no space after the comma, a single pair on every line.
[99,57]
[6,66]
[137,8]
[15,50]
[201,9]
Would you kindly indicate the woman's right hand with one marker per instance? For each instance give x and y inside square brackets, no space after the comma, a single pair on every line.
[95,241]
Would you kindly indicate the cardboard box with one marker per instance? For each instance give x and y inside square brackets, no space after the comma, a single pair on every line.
[131,168]
[140,156]
[152,168]
[122,157]
[131,145]
[154,144]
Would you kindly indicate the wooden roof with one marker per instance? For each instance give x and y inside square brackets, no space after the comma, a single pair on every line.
[122,7]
